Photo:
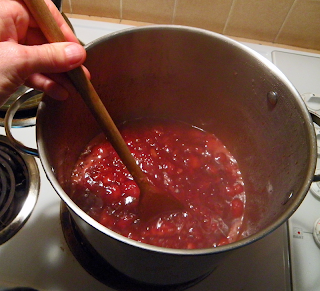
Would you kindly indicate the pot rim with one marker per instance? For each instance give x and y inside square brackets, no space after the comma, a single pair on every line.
[299,196]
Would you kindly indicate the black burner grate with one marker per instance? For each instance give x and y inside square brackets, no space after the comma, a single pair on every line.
[14,181]
[19,187]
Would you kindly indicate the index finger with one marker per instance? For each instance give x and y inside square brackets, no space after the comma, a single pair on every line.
[63,25]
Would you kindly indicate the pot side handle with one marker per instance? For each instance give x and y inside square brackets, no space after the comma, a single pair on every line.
[316,119]
[8,124]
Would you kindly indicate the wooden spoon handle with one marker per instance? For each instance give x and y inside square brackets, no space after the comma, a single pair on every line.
[53,33]
[45,20]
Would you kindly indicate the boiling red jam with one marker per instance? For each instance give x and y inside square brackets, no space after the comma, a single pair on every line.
[191,164]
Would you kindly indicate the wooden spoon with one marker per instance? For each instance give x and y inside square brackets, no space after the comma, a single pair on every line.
[152,201]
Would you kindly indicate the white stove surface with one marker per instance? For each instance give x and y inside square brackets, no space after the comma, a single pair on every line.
[38,256]
[304,72]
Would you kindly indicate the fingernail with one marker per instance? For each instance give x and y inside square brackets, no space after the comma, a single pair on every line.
[74,53]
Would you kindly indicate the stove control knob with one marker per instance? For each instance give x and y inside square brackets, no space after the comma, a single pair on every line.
[315,186]
[317,132]
[312,100]
[315,189]
[316,232]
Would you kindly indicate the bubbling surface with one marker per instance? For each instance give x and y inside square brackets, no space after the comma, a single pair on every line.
[191,164]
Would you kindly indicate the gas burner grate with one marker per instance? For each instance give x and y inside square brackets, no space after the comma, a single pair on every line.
[19,188]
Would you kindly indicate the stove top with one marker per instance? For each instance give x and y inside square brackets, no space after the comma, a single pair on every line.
[304,72]
[38,256]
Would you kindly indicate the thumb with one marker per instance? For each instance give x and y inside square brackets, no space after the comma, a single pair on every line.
[18,63]
[51,58]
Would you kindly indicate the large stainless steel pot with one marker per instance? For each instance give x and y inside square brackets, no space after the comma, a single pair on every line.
[207,80]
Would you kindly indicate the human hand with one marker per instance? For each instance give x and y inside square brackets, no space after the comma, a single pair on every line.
[26,57]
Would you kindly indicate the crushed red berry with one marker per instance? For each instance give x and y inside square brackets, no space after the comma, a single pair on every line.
[191,164]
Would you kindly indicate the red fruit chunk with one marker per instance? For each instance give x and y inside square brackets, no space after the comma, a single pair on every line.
[237,208]
[130,188]
[125,221]
[238,188]
[107,219]
[223,241]
[194,162]
[221,158]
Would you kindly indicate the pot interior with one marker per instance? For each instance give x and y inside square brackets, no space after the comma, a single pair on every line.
[208,81]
